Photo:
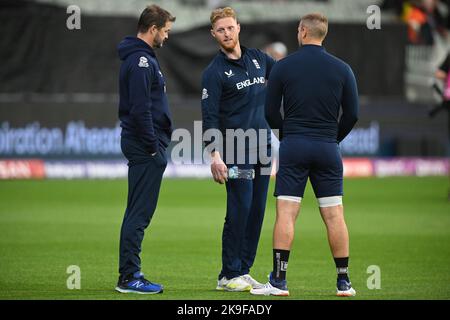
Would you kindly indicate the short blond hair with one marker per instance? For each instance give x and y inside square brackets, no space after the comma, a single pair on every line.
[317,25]
[220,13]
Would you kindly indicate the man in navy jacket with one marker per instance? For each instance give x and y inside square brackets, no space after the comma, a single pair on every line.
[233,100]
[314,86]
[146,132]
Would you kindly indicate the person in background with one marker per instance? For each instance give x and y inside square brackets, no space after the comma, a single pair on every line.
[424,21]
[443,74]
[278,51]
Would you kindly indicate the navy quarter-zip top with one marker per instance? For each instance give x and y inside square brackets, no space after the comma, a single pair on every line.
[313,85]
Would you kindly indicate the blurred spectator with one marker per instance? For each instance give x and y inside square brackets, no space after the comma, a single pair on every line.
[443,74]
[276,50]
[394,5]
[423,20]
[442,14]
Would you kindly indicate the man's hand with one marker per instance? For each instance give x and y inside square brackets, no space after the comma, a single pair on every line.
[218,168]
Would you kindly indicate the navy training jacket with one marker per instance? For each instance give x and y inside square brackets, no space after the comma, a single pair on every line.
[143,108]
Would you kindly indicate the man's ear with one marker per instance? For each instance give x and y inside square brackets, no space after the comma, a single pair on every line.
[153,29]
[213,33]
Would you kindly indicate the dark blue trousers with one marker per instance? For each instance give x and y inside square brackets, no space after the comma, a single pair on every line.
[246,203]
[144,181]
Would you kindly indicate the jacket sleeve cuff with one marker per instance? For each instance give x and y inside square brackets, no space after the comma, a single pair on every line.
[152,148]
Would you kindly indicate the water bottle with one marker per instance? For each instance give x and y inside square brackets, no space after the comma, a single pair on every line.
[236,173]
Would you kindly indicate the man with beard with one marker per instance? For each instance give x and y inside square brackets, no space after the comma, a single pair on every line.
[146,132]
[233,98]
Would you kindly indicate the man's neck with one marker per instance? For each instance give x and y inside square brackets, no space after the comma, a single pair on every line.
[312,41]
[235,54]
[146,39]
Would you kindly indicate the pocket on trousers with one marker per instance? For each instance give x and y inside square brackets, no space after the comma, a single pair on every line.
[160,159]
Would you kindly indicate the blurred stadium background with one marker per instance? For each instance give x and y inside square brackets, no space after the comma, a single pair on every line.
[58,88]
[58,122]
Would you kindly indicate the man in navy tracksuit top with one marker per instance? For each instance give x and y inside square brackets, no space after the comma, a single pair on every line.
[233,98]
[314,85]
[146,131]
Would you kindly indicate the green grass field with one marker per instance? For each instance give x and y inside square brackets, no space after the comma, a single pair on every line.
[401,225]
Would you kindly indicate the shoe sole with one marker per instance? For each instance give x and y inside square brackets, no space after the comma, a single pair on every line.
[218,288]
[138,292]
[281,294]
[345,294]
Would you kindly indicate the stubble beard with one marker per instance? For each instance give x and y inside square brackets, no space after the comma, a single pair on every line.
[158,42]
[230,46]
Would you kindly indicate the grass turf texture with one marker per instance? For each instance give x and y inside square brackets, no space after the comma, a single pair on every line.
[401,225]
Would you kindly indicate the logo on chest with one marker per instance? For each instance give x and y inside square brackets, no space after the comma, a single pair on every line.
[229,74]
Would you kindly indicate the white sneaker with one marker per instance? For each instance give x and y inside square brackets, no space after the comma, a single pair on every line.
[347,293]
[268,289]
[236,285]
[345,289]
[249,279]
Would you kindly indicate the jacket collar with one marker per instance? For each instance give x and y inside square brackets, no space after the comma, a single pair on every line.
[224,56]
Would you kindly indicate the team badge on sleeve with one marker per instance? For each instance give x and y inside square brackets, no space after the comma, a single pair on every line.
[204,94]
[143,62]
